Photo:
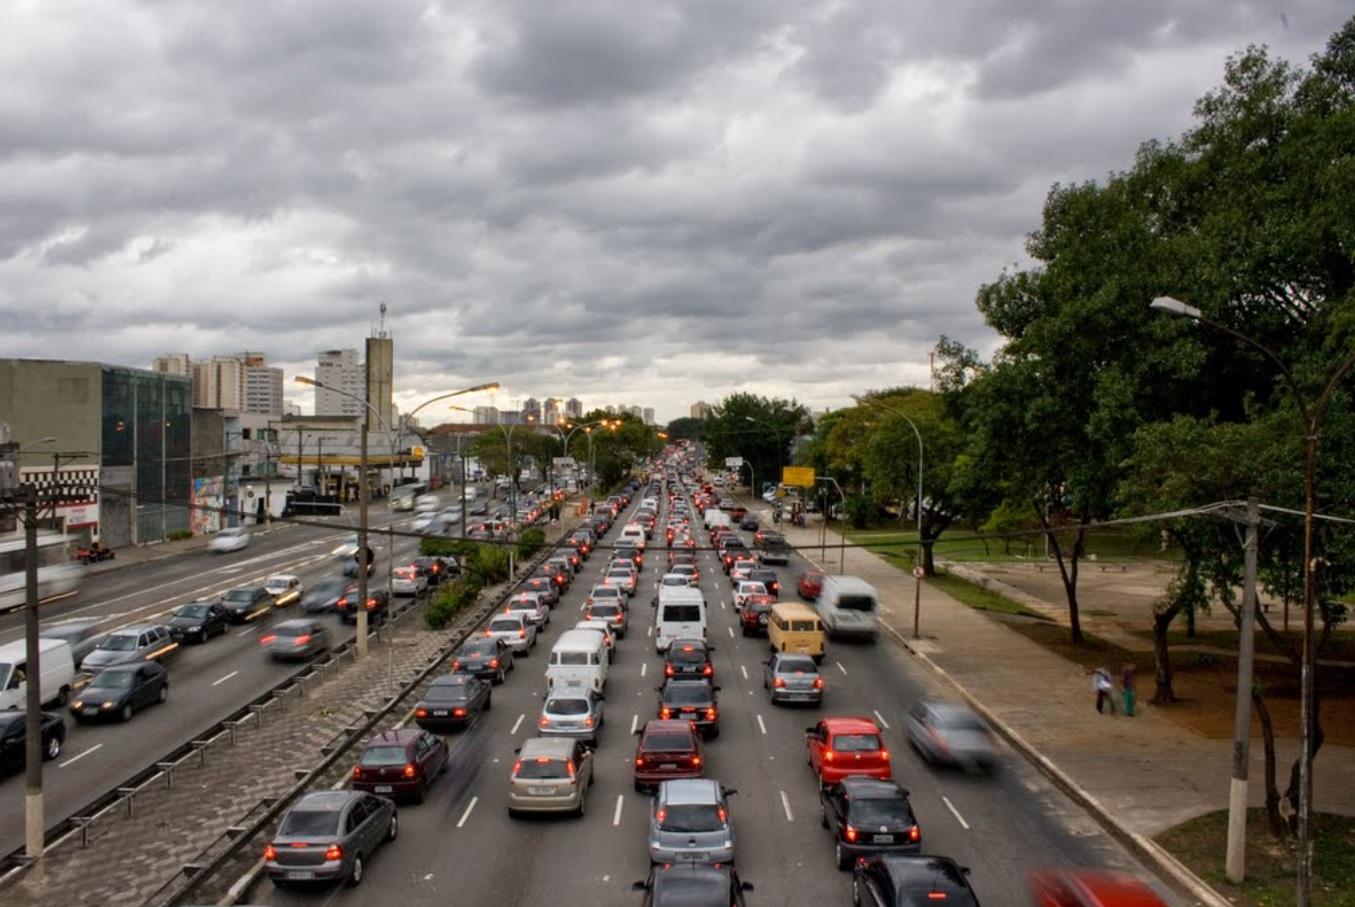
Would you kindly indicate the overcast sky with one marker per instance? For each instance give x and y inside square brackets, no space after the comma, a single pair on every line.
[638,201]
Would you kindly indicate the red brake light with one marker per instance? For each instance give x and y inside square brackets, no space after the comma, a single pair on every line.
[410,770]
[270,852]
[884,754]
[665,712]
[779,682]
[265,640]
[517,766]
[493,662]
[639,760]
[456,664]
[421,713]
[722,813]
[827,755]
[357,771]
[850,833]
[696,760]
[710,714]
[818,683]
[936,895]
[588,722]
[569,765]
[522,634]
[543,721]
[661,815]
[668,670]
[459,713]
[302,640]
[333,852]
[915,834]
[708,670]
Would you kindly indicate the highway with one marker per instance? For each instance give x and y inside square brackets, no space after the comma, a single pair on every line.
[207,682]
[460,846]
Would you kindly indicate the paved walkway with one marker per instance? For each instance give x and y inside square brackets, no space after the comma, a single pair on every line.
[1148,771]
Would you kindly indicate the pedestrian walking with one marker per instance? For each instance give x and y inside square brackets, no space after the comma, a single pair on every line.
[1127,687]
[1104,687]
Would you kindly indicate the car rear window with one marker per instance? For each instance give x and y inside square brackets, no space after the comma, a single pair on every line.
[480,647]
[302,823]
[884,811]
[663,742]
[567,706]
[119,643]
[691,817]
[573,658]
[542,767]
[856,743]
[446,692]
[284,630]
[686,694]
[789,665]
[607,610]
[856,603]
[803,626]
[686,655]
[505,625]
[683,614]
[384,755]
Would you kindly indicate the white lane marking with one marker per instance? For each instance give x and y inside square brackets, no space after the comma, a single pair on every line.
[762,727]
[649,631]
[884,724]
[840,667]
[634,722]
[745,671]
[517,724]
[616,816]
[466,815]
[221,680]
[785,804]
[722,605]
[644,667]
[956,813]
[247,631]
[731,632]
[77,758]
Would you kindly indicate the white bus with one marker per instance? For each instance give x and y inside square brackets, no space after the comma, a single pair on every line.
[56,573]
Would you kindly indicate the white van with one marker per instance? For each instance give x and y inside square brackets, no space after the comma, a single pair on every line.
[715,517]
[58,672]
[848,606]
[680,613]
[579,659]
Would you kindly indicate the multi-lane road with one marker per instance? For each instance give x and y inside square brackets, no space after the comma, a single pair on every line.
[207,682]
[461,847]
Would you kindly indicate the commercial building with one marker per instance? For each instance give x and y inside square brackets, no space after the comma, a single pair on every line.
[531,410]
[263,386]
[340,369]
[700,409]
[648,415]
[552,414]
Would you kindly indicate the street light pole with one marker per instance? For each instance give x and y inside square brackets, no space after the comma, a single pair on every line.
[1236,861]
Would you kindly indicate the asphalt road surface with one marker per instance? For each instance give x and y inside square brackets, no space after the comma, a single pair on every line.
[461,848]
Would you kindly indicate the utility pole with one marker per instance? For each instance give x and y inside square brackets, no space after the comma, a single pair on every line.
[362,547]
[1246,647]
[34,824]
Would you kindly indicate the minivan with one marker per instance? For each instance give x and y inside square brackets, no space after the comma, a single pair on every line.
[793,627]
[579,659]
[680,613]
[848,606]
[57,666]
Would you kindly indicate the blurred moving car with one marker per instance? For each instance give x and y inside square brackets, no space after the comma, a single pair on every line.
[895,880]
[234,538]
[247,603]
[199,621]
[328,836]
[378,603]
[285,588]
[950,734]
[322,596]
[809,585]
[408,581]
[131,644]
[296,640]
[81,635]
[119,691]
[1089,888]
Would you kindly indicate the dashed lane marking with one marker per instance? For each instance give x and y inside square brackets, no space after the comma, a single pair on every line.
[884,724]
[762,727]
[731,632]
[634,723]
[517,724]
[840,667]
[616,816]
[785,804]
[956,813]
[221,680]
[246,631]
[744,670]
[76,758]
[466,815]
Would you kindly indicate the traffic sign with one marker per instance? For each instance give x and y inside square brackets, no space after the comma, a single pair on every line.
[802,476]
[734,462]
[919,572]
[564,462]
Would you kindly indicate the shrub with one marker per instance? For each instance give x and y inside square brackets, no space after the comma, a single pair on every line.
[530,542]
[433,546]
[488,564]
[450,601]
[178,535]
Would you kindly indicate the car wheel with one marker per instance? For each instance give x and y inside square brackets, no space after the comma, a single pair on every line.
[844,861]
[499,677]
[823,816]
[355,874]
[163,695]
[126,713]
[489,703]
[52,749]
[582,799]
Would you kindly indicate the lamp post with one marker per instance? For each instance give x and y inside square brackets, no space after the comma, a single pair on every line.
[1311,412]
[917,573]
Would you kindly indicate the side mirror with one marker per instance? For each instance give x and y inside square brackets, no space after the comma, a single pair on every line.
[517,750]
[730,791]
[810,730]
[965,869]
[638,731]
[639,886]
[745,886]
[716,689]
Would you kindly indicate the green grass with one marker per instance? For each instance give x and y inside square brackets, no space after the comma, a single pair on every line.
[1199,843]
[1106,546]
[979,598]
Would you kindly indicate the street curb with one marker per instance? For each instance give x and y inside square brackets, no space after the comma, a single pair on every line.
[1167,867]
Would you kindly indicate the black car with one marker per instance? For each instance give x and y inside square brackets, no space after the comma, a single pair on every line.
[749,522]
[436,569]
[693,885]
[119,691]
[247,603]
[486,657]
[452,701]
[350,566]
[688,658]
[378,603]
[13,754]
[198,621]
[694,701]
[768,578]
[322,596]
[894,880]
[868,816]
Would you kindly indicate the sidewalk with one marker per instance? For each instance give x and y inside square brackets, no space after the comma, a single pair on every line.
[1148,772]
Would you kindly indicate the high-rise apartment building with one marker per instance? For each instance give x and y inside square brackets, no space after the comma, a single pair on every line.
[531,411]
[574,408]
[648,415]
[173,364]
[263,386]
[341,370]
[219,383]
[509,417]
[700,409]
[485,415]
[553,414]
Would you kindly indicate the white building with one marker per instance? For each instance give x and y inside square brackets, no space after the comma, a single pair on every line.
[649,415]
[263,386]
[341,370]
[219,383]
[173,364]
[574,408]
[485,415]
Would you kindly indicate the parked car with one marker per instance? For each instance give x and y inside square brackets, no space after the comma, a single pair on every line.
[667,749]
[899,879]
[484,657]
[132,644]
[247,603]
[452,702]
[551,774]
[838,748]
[13,747]
[235,538]
[198,621]
[296,640]
[789,677]
[951,734]
[285,588]
[689,822]
[328,836]
[693,885]
[867,816]
[401,763]
[119,691]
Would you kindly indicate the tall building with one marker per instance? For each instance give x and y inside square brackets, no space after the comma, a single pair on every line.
[700,409]
[219,383]
[574,408]
[485,415]
[263,386]
[632,410]
[340,369]
[553,415]
[508,417]
[531,411]
[173,364]
[381,377]
[648,415]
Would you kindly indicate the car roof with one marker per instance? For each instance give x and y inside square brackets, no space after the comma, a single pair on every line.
[119,669]
[326,799]
[296,622]
[690,790]
[668,726]
[862,788]
[395,737]
[910,870]
[133,629]
[550,747]
[851,726]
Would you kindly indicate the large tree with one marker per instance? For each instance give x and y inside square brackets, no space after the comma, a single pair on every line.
[758,429]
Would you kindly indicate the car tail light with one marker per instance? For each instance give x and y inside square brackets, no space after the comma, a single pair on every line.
[827,755]
[569,766]
[915,834]
[543,721]
[522,634]
[661,816]
[936,895]
[779,682]
[357,772]
[301,640]
[639,760]
[818,683]
[333,852]
[265,640]
[668,670]
[722,813]
[493,662]
[588,722]
[517,767]
[270,852]
[849,833]
[708,670]
[696,760]
[371,603]
[410,770]
[884,755]
[456,665]
[459,713]
[421,713]
[710,714]
[665,712]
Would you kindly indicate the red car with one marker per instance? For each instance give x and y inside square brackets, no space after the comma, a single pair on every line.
[400,763]
[1089,888]
[809,585]
[667,749]
[842,747]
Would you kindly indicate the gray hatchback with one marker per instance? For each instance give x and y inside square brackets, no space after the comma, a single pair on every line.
[690,823]
[328,836]
[792,678]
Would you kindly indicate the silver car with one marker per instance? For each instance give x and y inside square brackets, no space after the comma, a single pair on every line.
[296,640]
[531,606]
[328,836]
[408,581]
[515,630]
[690,823]
[950,733]
[572,712]
[550,775]
[792,678]
[138,642]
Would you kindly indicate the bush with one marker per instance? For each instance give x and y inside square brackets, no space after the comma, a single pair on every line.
[178,535]
[450,601]
[488,564]
[530,542]
[433,546]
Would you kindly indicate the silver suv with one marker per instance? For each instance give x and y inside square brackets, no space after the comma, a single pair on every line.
[690,823]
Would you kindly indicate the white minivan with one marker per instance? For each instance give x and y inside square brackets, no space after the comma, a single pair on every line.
[635,534]
[848,606]
[715,517]
[579,659]
[58,672]
[680,613]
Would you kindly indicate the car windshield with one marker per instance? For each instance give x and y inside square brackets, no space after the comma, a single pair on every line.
[113,680]
[856,743]
[307,823]
[687,655]
[567,706]
[239,595]
[798,664]
[480,647]
[542,767]
[384,755]
[447,692]
[118,643]
[686,694]
[690,817]
[194,611]
[872,813]
[856,602]
[960,721]
[665,742]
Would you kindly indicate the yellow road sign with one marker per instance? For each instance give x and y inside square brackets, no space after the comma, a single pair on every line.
[802,476]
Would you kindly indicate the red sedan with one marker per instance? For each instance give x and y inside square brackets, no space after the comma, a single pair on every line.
[842,747]
[1090,888]
[402,762]
[667,749]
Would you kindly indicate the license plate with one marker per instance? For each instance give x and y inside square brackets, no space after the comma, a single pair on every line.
[384,788]
[694,855]
[89,711]
[686,713]
[541,791]
[439,712]
[884,839]
[298,874]
[668,766]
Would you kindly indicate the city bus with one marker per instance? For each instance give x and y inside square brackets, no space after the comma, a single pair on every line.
[56,573]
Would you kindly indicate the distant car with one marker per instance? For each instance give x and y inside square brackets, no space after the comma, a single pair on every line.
[131,645]
[694,701]
[235,538]
[425,522]
[1089,888]
[749,522]
[515,630]
[328,836]
[321,597]
[119,691]
[452,702]
[867,816]
[547,588]
[247,603]
[951,734]
[896,879]
[689,658]
[436,569]
[350,566]
[408,581]
[13,751]
[486,658]
[768,578]
[285,588]
[550,774]
[572,712]
[613,612]
[529,604]
[689,822]
[792,678]
[378,604]
[677,579]
[839,748]
[401,763]
[809,585]
[667,749]
[296,640]
[198,621]
[693,885]
[608,637]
